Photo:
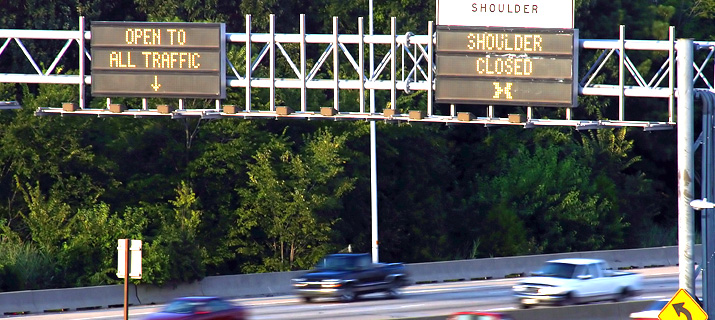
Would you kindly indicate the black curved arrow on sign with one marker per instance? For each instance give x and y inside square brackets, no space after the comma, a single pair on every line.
[680,309]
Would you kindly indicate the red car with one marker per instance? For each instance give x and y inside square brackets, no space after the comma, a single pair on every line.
[471,315]
[200,308]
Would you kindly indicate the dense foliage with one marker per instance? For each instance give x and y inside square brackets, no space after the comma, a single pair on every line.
[212,197]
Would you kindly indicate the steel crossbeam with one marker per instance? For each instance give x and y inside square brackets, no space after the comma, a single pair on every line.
[405,66]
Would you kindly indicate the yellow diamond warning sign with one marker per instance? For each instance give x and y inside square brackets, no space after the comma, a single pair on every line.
[682,307]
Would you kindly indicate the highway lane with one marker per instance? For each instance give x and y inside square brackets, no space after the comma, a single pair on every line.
[417,301]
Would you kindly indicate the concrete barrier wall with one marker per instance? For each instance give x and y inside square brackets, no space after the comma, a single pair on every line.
[37,301]
[495,268]
[269,284]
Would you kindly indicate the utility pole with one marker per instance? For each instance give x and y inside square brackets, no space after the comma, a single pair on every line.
[686,220]
[373,151]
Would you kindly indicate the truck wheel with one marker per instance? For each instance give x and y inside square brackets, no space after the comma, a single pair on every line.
[307,299]
[623,294]
[348,294]
[569,299]
[393,292]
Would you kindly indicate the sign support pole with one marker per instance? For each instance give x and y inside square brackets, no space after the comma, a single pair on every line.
[375,248]
[126,279]
[685,117]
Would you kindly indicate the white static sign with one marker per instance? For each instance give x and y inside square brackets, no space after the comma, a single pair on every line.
[506,13]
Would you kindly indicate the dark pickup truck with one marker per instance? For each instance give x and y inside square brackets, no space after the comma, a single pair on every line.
[349,275]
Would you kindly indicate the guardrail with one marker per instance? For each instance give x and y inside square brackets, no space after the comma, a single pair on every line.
[278,283]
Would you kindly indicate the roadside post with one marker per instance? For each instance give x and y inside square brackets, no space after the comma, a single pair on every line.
[129,265]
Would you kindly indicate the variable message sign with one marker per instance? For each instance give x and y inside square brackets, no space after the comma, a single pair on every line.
[505,66]
[161,59]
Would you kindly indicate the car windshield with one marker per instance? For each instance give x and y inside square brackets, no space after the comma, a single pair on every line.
[557,270]
[182,306]
[335,263]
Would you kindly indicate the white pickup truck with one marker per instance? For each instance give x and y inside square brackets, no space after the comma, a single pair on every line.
[571,281]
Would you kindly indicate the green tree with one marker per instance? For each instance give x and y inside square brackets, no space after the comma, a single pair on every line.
[47,219]
[555,196]
[286,191]
[88,257]
[23,266]
[610,153]
[175,253]
[224,151]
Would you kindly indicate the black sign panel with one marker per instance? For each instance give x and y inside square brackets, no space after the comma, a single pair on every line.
[145,59]
[505,66]
[501,40]
[504,91]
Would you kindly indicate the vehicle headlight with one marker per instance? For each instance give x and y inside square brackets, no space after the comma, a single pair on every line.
[331,283]
[519,288]
[299,282]
[552,290]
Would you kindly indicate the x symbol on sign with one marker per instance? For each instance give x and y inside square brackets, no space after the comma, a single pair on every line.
[498,90]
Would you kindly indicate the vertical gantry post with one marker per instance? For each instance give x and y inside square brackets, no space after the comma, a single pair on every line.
[707,187]
[373,192]
[303,85]
[393,63]
[709,264]
[685,165]
[248,63]
[336,66]
[707,101]
[82,70]
[671,74]
[361,61]
[126,279]
[621,70]
[272,53]
[373,149]
[430,68]
[372,68]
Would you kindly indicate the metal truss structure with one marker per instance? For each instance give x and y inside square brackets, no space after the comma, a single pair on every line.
[406,65]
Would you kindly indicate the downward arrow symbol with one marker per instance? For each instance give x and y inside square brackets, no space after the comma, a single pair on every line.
[680,309]
[156,84]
